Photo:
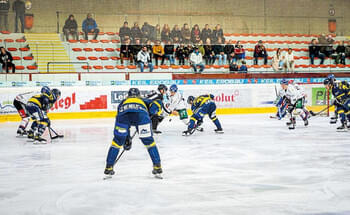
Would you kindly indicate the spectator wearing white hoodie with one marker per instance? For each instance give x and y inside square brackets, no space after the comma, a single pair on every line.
[289,61]
[196,59]
[143,59]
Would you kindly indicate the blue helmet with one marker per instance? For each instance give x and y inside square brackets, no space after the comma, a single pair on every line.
[331,78]
[134,92]
[190,99]
[173,88]
[45,90]
[284,81]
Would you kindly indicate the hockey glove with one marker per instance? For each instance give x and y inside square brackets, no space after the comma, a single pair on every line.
[128,143]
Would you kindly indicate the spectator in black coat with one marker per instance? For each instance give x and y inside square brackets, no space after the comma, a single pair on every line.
[209,53]
[124,32]
[219,52]
[19,8]
[135,48]
[136,33]
[6,60]
[4,11]
[260,51]
[176,34]
[206,33]
[180,54]
[165,35]
[229,50]
[218,33]
[169,53]
[146,31]
[70,27]
[340,53]
[126,52]
[314,51]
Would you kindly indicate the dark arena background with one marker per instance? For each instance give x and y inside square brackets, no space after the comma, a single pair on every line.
[241,107]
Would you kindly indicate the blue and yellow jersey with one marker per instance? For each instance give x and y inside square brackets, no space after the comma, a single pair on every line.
[156,107]
[202,100]
[43,101]
[134,104]
[341,91]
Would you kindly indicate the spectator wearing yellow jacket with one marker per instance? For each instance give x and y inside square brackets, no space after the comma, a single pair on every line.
[158,51]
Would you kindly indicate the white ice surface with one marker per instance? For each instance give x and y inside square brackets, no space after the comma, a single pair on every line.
[257,167]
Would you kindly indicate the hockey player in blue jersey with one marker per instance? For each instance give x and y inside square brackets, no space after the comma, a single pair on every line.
[201,106]
[156,107]
[341,93]
[133,111]
[37,108]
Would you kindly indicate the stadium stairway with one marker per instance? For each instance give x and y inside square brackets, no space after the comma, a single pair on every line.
[49,48]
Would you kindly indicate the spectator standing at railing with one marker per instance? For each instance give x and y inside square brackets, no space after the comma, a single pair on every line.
[146,32]
[314,51]
[157,33]
[209,53]
[239,51]
[71,27]
[126,52]
[186,34]
[165,35]
[6,60]
[206,33]
[329,50]
[143,59]
[289,61]
[340,53]
[260,51]
[135,49]
[229,50]
[90,26]
[136,33]
[168,53]
[218,33]
[19,8]
[176,34]
[4,11]
[124,32]
[277,60]
[219,52]
[195,34]
[196,59]
[180,54]
[158,52]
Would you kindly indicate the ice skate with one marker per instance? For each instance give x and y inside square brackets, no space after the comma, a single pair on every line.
[157,171]
[219,131]
[109,172]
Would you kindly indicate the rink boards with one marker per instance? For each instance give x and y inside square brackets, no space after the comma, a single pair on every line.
[102,101]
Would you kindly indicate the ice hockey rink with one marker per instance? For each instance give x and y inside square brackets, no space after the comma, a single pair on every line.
[257,167]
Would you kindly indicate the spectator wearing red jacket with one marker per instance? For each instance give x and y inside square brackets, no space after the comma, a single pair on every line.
[239,51]
[260,51]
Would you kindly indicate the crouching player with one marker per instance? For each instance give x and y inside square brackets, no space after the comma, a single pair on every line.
[20,104]
[156,114]
[296,98]
[341,93]
[37,108]
[133,111]
[201,106]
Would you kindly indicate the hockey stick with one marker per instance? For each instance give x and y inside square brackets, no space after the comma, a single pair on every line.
[115,162]
[321,111]
[56,134]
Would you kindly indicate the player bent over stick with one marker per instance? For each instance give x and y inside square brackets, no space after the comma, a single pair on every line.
[341,93]
[201,106]
[295,98]
[133,111]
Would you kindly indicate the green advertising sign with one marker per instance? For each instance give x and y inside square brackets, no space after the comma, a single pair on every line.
[319,96]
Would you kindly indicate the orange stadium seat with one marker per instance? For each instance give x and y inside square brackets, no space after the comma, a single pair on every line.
[28,58]
[8,40]
[164,67]
[117,49]
[109,67]
[16,58]
[77,49]
[88,49]
[110,33]
[115,41]
[131,67]
[115,58]
[99,49]
[104,41]
[32,67]
[86,67]
[207,66]
[5,32]
[20,40]
[92,58]
[98,67]
[340,65]
[12,49]
[314,66]
[104,58]
[24,49]
[109,49]
[175,67]
[72,41]
[226,66]
[324,66]
[332,66]
[84,41]
[20,67]
[81,58]
[186,66]
[94,41]
[101,33]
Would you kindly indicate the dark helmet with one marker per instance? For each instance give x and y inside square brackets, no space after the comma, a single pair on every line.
[134,92]
[162,87]
[284,81]
[56,93]
[190,99]
[327,81]
[331,77]
[45,90]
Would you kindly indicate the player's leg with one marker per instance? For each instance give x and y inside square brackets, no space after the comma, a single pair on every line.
[25,118]
[213,117]
[42,123]
[121,132]
[342,116]
[292,121]
[197,117]
[32,110]
[300,109]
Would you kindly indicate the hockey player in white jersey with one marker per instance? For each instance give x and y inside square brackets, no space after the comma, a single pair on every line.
[177,104]
[295,96]
[20,104]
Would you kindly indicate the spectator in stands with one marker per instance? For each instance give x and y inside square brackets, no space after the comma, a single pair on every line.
[196,59]
[71,27]
[195,34]
[340,53]
[19,8]
[219,52]
[233,67]
[149,48]
[146,31]
[314,51]
[243,68]
[158,52]
[239,51]
[143,59]
[260,51]
[201,47]
[347,51]
[209,53]
[188,50]
[186,34]
[4,11]
[6,60]
[169,53]
[289,61]
[329,50]
[206,33]
[124,32]
[165,35]
[277,60]
[322,43]
[136,33]
[176,34]
[218,33]
[135,49]
[180,54]
[90,26]
[126,52]
[229,50]
[158,34]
